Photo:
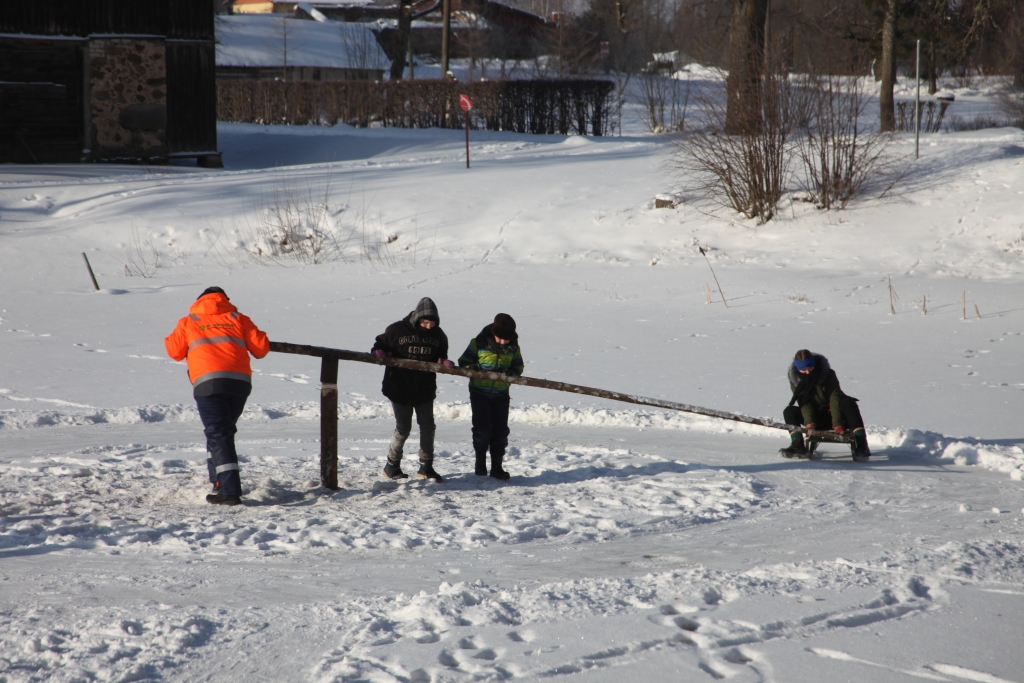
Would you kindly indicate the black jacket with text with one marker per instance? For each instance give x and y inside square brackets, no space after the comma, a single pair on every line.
[406,339]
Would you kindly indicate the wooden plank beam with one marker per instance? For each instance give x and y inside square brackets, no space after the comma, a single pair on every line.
[341,354]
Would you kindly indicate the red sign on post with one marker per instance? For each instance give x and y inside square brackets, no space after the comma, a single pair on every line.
[466,104]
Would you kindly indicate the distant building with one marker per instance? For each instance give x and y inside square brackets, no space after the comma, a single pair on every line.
[480,28]
[107,80]
[282,47]
[252,7]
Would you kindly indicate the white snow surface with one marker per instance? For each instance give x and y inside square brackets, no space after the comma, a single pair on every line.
[631,543]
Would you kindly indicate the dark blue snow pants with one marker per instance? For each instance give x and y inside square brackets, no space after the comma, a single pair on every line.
[851,418]
[490,422]
[219,414]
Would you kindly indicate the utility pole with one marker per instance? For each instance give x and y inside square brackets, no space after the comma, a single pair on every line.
[917,107]
[446,32]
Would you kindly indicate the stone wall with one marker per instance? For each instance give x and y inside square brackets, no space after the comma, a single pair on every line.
[127,98]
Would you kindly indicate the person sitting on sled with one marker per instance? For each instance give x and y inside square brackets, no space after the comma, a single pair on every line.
[820,401]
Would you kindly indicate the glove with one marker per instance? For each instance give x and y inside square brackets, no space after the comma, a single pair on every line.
[839,429]
[811,426]
[447,363]
[380,353]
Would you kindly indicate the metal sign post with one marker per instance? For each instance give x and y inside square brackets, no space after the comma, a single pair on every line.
[466,104]
[917,107]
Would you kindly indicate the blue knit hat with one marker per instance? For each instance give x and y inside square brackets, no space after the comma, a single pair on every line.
[805,363]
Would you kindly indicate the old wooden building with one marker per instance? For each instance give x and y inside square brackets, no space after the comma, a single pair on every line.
[107,80]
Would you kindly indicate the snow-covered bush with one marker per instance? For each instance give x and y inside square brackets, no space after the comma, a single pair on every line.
[296,221]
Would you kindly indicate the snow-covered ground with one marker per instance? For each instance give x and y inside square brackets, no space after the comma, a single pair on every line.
[630,543]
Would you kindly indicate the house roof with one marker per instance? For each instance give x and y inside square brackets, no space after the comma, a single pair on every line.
[245,6]
[258,40]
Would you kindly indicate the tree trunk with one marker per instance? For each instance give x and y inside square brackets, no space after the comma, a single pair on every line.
[746,66]
[933,74]
[401,39]
[886,107]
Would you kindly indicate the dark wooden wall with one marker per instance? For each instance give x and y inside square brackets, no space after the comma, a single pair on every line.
[46,123]
[182,19]
[41,108]
[191,97]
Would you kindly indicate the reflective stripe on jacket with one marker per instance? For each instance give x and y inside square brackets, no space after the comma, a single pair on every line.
[217,340]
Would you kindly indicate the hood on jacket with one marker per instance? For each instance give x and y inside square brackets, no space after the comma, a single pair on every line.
[821,368]
[424,309]
[212,304]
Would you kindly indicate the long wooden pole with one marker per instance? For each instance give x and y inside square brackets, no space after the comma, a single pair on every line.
[341,354]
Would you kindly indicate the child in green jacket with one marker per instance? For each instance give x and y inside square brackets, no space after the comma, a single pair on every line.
[495,349]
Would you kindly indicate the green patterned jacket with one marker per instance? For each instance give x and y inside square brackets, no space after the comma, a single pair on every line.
[483,353]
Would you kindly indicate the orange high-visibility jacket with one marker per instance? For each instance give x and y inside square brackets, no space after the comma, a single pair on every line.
[217,341]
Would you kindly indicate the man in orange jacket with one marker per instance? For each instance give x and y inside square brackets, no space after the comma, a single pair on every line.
[217,341]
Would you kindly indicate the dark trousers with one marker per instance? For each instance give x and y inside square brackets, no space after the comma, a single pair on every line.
[490,422]
[219,414]
[403,427]
[849,417]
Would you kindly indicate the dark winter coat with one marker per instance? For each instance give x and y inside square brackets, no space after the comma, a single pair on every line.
[406,339]
[817,391]
[483,353]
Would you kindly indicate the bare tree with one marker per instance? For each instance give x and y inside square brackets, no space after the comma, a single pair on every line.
[746,171]
[283,42]
[887,68]
[746,66]
[401,46]
[838,150]
[361,48]
[665,101]
[1013,44]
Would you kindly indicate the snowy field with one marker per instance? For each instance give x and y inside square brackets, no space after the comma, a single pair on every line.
[630,544]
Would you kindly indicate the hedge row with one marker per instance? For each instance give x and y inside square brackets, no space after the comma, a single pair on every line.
[565,107]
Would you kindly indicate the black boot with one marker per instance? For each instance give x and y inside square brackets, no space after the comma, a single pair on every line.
[219,499]
[796,448]
[496,470]
[481,464]
[393,470]
[861,452]
[426,471]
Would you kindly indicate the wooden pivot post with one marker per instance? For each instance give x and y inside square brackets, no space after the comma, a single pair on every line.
[329,423]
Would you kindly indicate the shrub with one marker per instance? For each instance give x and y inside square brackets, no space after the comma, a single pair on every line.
[566,107]
[839,153]
[745,171]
